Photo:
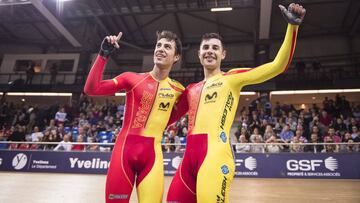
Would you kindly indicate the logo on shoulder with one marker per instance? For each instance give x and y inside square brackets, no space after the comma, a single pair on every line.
[19,161]
[224,169]
[223,137]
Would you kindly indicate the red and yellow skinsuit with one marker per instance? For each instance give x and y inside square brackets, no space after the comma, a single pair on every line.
[207,169]
[137,153]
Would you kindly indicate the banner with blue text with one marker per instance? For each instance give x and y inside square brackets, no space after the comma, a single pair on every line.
[285,165]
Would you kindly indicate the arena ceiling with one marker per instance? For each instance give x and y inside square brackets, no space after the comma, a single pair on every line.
[81,24]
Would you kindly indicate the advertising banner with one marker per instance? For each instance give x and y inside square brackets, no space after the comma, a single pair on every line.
[282,165]
[57,162]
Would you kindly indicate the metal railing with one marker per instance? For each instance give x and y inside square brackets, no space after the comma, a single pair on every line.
[180,147]
[39,78]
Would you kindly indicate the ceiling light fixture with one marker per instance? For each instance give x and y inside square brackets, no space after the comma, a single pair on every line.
[219,9]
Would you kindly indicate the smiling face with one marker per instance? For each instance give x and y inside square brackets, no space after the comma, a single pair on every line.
[164,53]
[211,53]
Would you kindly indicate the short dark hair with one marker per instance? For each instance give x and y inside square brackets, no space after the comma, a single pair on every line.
[212,35]
[169,35]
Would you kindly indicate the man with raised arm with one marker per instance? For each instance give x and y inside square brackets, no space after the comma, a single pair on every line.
[150,97]
[207,168]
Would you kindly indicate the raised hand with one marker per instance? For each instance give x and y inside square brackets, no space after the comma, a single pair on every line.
[294,14]
[109,44]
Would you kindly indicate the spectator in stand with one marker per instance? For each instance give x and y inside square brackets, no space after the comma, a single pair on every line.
[350,147]
[50,136]
[61,131]
[292,123]
[52,125]
[296,145]
[92,148]
[264,124]
[18,134]
[286,135]
[355,134]
[342,105]
[173,127]
[175,140]
[60,116]
[92,132]
[243,147]
[356,112]
[329,146]
[353,123]
[82,133]
[36,136]
[166,146]
[332,136]
[30,72]
[340,127]
[3,138]
[182,131]
[79,147]
[299,136]
[315,129]
[347,139]
[255,134]
[254,121]
[269,132]
[31,115]
[65,144]
[272,145]
[259,147]
[279,125]
[118,119]
[325,118]
[83,120]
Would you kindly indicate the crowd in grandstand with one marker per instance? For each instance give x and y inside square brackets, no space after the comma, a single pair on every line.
[336,121]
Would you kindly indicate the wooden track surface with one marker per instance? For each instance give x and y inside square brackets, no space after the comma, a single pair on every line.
[70,188]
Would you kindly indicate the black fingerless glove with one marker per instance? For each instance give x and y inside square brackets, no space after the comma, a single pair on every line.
[106,48]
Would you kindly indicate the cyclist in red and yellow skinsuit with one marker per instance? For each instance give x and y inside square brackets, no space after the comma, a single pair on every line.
[150,98]
[207,169]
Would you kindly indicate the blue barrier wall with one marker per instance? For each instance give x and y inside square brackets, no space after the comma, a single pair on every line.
[284,165]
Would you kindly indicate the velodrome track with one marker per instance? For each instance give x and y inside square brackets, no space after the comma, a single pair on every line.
[78,188]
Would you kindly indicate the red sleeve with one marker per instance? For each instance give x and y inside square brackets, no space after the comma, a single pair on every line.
[180,108]
[96,86]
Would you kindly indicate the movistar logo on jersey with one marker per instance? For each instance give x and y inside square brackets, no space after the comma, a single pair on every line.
[164,106]
[223,137]
[209,98]
[228,107]
[166,95]
[224,169]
